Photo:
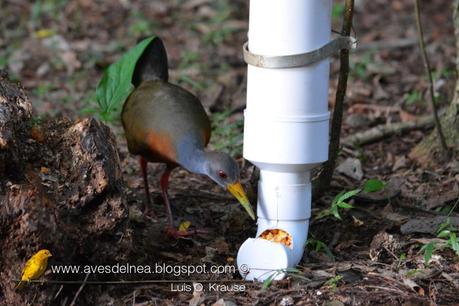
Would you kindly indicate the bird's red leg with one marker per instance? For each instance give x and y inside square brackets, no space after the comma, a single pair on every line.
[164,186]
[170,229]
[148,211]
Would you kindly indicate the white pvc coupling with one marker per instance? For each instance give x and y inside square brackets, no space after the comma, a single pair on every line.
[286,124]
[285,143]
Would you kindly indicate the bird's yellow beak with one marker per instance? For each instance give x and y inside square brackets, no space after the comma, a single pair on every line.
[237,191]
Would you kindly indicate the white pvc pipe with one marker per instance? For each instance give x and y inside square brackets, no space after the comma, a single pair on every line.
[286,126]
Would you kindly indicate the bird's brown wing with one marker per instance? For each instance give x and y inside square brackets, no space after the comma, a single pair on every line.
[157,116]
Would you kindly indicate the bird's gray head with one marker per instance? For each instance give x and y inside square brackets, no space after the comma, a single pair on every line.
[221,168]
[224,170]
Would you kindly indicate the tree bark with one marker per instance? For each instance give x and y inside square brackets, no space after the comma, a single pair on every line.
[428,152]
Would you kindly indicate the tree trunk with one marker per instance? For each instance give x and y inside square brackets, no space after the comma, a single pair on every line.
[429,150]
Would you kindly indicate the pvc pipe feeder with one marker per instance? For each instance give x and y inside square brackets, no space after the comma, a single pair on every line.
[286,123]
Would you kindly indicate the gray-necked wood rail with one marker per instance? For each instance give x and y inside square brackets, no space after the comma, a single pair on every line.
[165,123]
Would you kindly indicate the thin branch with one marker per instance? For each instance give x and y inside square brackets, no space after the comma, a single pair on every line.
[79,290]
[425,59]
[324,179]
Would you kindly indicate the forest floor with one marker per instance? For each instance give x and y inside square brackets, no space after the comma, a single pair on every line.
[375,255]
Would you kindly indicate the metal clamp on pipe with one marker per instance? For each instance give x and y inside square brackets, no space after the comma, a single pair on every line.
[299,60]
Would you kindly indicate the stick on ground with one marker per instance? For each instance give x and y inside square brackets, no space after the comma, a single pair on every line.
[383,131]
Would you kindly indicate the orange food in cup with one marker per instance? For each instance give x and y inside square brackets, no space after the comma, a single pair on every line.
[277,235]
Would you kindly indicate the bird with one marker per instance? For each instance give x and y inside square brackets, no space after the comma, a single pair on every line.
[165,123]
[34,267]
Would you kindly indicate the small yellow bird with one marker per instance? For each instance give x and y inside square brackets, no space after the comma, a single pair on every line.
[34,267]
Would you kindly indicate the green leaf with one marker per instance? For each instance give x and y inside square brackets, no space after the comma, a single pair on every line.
[412,272]
[373,185]
[453,242]
[402,257]
[326,249]
[335,212]
[332,282]
[444,234]
[292,270]
[295,273]
[428,251]
[337,11]
[337,197]
[115,85]
[444,225]
[344,196]
[344,205]
[267,282]
[319,245]
[324,213]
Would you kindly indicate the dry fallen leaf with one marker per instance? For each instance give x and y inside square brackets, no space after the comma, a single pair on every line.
[222,302]
[37,134]
[44,33]
[197,298]
[356,221]
[183,227]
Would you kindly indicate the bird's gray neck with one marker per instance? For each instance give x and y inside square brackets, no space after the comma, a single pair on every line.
[192,157]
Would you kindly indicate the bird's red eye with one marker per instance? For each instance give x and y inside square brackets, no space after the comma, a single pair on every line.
[222,174]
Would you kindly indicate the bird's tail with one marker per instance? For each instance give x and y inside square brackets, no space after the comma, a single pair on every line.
[152,64]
